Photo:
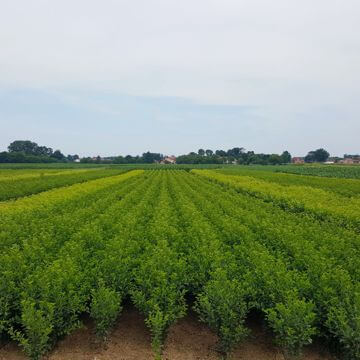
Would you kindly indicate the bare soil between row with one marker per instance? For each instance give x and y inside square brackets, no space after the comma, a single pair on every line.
[188,339]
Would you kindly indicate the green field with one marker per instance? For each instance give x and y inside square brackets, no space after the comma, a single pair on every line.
[227,242]
[321,170]
[57,166]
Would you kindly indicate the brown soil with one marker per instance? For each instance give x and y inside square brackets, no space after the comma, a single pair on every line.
[187,340]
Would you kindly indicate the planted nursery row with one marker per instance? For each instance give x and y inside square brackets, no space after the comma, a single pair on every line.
[159,238]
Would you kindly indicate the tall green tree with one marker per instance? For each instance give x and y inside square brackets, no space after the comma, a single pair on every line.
[58,155]
[220,153]
[319,155]
[150,157]
[286,157]
[26,146]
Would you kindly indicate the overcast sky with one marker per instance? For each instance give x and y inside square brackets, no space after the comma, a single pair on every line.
[116,77]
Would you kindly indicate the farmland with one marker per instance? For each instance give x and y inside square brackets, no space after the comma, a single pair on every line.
[222,244]
[319,170]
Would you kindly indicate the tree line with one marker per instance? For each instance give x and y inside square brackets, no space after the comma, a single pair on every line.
[26,151]
[236,155]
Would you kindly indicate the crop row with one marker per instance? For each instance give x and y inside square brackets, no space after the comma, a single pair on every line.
[321,204]
[338,171]
[160,237]
[8,174]
[328,262]
[345,187]
[13,187]
[320,170]
[40,266]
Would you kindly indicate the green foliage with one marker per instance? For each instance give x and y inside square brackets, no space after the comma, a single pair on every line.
[316,202]
[156,236]
[344,321]
[345,187]
[293,324]
[222,306]
[37,324]
[319,155]
[159,291]
[13,187]
[332,171]
[312,249]
[104,309]
[158,322]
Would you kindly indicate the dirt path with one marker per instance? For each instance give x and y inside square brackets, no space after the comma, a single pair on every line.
[187,340]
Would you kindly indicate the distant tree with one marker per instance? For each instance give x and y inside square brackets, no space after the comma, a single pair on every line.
[238,151]
[201,152]
[286,157]
[209,152]
[25,146]
[310,157]
[21,157]
[220,153]
[58,155]
[43,151]
[235,152]
[86,160]
[119,160]
[275,159]
[349,156]
[72,157]
[4,157]
[198,159]
[32,150]
[319,155]
[129,159]
[149,157]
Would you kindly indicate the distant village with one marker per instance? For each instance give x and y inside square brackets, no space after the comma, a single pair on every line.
[347,160]
[23,151]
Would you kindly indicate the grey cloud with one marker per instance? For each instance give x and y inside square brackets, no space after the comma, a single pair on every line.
[286,57]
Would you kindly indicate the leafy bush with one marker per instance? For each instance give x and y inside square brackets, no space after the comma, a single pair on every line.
[104,309]
[159,291]
[222,306]
[344,322]
[37,325]
[293,324]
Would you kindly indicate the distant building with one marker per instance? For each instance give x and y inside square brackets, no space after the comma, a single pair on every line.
[298,160]
[350,160]
[168,160]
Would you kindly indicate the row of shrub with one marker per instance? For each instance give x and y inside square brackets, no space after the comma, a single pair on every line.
[160,238]
[345,187]
[13,187]
[320,204]
[326,256]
